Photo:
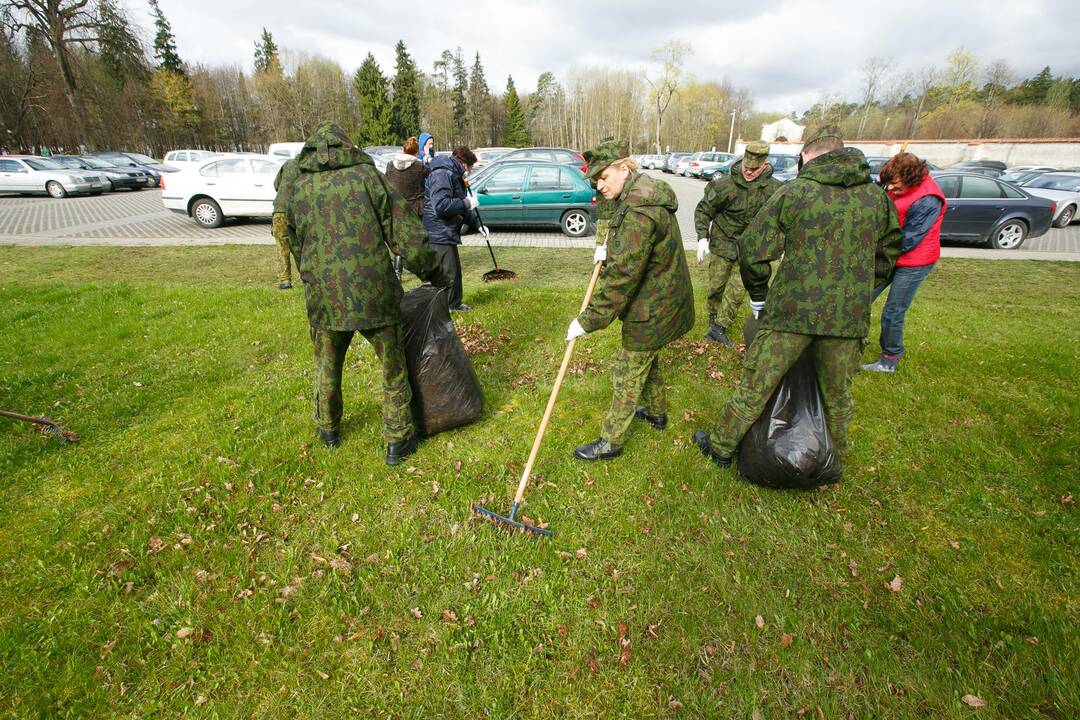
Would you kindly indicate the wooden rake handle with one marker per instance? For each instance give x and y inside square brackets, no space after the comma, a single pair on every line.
[554,393]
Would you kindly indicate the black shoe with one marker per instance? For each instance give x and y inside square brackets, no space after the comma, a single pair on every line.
[718,334]
[284,286]
[461,308]
[330,438]
[599,450]
[657,421]
[396,452]
[701,439]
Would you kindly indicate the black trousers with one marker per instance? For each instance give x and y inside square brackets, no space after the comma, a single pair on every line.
[451,263]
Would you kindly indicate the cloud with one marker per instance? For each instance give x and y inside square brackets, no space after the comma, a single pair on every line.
[788,53]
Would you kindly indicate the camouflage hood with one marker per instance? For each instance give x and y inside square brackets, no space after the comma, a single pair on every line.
[847,167]
[642,191]
[737,177]
[329,148]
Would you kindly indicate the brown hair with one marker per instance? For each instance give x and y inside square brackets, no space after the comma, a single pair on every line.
[464,154]
[411,146]
[906,168]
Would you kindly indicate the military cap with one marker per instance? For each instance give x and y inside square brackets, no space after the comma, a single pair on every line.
[822,133]
[755,155]
[604,154]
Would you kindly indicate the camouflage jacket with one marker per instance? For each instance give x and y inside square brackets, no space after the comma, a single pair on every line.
[342,220]
[645,282]
[839,237]
[728,206]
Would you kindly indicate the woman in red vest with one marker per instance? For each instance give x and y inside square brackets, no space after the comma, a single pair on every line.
[920,206]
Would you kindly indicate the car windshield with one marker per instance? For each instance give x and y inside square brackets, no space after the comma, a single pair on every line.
[96,163]
[1051,182]
[72,163]
[43,164]
[142,159]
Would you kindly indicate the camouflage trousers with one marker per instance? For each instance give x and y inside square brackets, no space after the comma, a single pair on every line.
[284,255]
[636,380]
[767,360]
[726,291]
[330,348]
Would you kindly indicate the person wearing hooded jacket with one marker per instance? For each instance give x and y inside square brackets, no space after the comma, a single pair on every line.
[427,148]
[406,172]
[839,236]
[645,283]
[448,207]
[342,220]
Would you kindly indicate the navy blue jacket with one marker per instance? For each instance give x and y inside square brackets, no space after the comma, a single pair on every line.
[445,206]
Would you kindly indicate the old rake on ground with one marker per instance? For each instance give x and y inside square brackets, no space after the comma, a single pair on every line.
[498,273]
[509,520]
[45,425]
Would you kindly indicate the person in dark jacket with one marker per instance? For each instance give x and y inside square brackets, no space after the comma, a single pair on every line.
[406,173]
[920,208]
[427,148]
[447,207]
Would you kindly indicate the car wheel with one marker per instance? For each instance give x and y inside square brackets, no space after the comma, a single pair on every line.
[575,223]
[207,213]
[1065,217]
[55,189]
[652,166]
[1008,236]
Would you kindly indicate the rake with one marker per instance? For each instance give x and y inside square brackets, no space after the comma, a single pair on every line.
[509,519]
[45,425]
[498,273]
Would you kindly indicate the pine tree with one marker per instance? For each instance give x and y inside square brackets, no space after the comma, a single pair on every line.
[459,98]
[164,42]
[121,52]
[479,105]
[517,134]
[266,53]
[405,108]
[374,104]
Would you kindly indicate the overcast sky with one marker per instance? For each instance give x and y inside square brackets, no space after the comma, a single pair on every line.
[788,53]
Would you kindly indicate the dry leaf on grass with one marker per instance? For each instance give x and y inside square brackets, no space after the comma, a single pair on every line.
[759,621]
[786,639]
[674,704]
[896,585]
[184,632]
[624,645]
[416,613]
[973,701]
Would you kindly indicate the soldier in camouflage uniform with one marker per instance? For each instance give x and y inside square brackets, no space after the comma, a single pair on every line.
[840,238]
[729,204]
[342,220]
[645,283]
[284,255]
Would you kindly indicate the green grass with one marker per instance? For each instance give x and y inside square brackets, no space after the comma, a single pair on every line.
[196,499]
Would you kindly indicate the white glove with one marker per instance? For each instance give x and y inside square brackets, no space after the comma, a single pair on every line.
[484,231]
[600,255]
[574,331]
[472,201]
[756,308]
[702,248]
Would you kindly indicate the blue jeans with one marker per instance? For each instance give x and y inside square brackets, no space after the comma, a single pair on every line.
[905,282]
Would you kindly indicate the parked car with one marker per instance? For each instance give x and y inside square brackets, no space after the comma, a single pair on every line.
[285,150]
[785,167]
[1023,173]
[671,159]
[32,174]
[989,212]
[183,158]
[131,158]
[990,168]
[682,164]
[488,155]
[115,176]
[536,193]
[650,162]
[563,156]
[1061,187]
[223,186]
[699,162]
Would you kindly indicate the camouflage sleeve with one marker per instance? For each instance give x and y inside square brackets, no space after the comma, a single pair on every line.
[888,246]
[627,258]
[707,207]
[404,233]
[760,244]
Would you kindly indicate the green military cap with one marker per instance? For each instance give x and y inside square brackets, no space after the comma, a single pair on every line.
[755,155]
[607,152]
[822,133]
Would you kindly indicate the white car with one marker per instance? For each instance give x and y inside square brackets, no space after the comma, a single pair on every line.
[223,186]
[703,160]
[285,150]
[184,158]
[31,174]
[1061,187]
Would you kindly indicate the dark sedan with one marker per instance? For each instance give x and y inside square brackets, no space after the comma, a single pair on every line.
[117,177]
[147,164]
[986,211]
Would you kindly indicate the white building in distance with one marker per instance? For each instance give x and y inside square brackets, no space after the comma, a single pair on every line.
[783,129]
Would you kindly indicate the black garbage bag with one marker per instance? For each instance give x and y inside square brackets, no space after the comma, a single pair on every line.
[789,445]
[446,393]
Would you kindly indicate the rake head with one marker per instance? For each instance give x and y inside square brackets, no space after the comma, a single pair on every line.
[499,274]
[509,523]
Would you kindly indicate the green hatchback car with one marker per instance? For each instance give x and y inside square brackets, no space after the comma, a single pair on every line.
[536,193]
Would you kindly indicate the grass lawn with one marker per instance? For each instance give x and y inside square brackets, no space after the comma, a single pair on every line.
[197,555]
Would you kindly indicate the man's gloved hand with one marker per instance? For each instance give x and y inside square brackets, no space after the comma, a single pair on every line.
[702,248]
[484,231]
[574,331]
[472,201]
[756,308]
[600,255]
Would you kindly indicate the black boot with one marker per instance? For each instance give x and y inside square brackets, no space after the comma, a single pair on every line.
[657,421]
[396,452]
[601,449]
[717,333]
[330,438]
[701,439]
[285,285]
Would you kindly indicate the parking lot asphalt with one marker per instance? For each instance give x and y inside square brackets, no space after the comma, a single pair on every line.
[137,218]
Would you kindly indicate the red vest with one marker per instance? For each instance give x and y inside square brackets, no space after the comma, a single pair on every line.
[929,250]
